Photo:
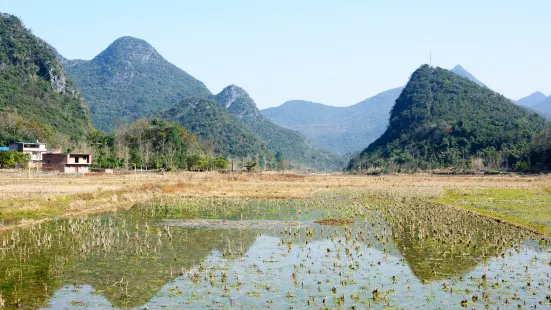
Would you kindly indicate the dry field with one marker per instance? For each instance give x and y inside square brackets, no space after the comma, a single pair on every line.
[25,199]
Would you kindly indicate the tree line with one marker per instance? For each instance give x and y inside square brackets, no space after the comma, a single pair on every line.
[158,144]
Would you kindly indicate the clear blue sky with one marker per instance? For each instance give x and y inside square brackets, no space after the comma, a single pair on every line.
[333,52]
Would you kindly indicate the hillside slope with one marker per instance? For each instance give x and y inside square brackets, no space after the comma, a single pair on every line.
[340,130]
[442,120]
[291,145]
[37,100]
[130,80]
[228,136]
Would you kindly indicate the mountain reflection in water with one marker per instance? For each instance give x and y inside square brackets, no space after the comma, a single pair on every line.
[409,257]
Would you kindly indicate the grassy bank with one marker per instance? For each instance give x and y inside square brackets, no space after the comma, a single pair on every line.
[530,208]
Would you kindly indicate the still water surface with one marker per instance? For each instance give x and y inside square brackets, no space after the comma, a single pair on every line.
[272,255]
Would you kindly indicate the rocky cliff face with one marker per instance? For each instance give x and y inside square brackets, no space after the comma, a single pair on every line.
[229,95]
[239,104]
[58,81]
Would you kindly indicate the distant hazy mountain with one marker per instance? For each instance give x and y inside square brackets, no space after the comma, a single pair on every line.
[543,107]
[459,70]
[293,146]
[343,130]
[537,102]
[532,99]
[338,129]
[129,80]
[37,100]
[213,124]
[441,119]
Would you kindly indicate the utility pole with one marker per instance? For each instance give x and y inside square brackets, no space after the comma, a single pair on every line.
[430,58]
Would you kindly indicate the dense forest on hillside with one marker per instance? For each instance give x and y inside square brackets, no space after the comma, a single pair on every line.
[226,136]
[151,144]
[443,120]
[540,151]
[37,101]
[293,149]
[130,80]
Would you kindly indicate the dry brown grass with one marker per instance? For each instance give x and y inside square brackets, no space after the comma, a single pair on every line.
[335,222]
[45,195]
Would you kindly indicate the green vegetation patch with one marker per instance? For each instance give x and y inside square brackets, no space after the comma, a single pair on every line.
[130,80]
[287,144]
[37,101]
[527,208]
[228,137]
[442,120]
[34,208]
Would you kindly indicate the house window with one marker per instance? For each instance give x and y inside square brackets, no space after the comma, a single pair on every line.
[76,160]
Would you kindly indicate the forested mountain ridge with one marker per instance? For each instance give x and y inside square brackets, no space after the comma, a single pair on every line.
[444,120]
[288,144]
[37,100]
[533,102]
[130,80]
[226,135]
[340,130]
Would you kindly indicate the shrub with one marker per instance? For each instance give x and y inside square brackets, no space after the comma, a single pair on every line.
[522,166]
[220,163]
[13,159]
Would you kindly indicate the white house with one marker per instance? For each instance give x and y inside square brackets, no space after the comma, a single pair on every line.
[34,149]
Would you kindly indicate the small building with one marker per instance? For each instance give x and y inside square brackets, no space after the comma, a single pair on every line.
[66,163]
[34,149]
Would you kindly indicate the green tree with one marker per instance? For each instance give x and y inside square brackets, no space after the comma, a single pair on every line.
[220,163]
[13,159]
[250,166]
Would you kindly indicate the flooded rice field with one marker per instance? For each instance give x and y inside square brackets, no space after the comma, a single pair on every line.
[338,250]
